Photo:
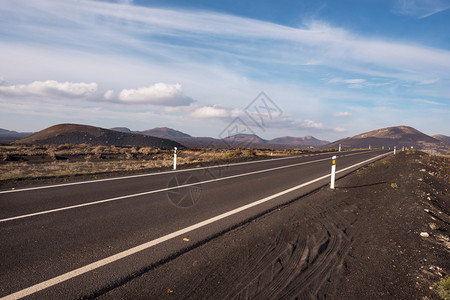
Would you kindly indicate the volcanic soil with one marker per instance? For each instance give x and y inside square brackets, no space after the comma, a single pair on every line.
[364,240]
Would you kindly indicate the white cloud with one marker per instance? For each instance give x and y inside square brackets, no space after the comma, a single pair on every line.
[342,114]
[109,94]
[158,94]
[50,88]
[340,129]
[210,112]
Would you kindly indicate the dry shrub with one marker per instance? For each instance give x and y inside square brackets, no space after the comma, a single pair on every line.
[145,150]
[51,153]
[98,151]
[113,149]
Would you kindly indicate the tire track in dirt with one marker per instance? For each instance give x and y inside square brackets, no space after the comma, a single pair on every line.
[327,244]
[326,256]
[299,262]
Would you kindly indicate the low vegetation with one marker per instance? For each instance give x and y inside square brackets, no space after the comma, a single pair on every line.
[38,161]
[443,288]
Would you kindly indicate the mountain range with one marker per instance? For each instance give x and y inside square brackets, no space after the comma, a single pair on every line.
[236,141]
[399,136]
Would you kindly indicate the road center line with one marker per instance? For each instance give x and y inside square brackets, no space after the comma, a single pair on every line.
[155,174]
[95,265]
[157,191]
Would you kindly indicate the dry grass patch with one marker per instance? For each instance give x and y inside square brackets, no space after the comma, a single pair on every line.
[39,161]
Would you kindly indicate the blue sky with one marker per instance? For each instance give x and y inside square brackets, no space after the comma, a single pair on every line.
[329,68]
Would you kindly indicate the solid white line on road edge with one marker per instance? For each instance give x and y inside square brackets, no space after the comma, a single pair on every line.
[157,191]
[154,174]
[100,263]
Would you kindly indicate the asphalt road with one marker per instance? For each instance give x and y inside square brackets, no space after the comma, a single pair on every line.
[82,239]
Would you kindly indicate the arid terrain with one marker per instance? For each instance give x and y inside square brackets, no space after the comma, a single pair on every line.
[382,234]
[38,164]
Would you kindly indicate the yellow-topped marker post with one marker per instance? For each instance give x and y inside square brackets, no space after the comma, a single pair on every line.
[333,172]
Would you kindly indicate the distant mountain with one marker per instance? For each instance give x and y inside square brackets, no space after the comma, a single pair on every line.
[398,136]
[79,134]
[442,138]
[165,132]
[298,141]
[235,141]
[11,136]
[244,140]
[164,136]
[122,129]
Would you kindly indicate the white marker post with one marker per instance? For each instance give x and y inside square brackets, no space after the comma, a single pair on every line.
[395,150]
[175,158]
[333,172]
[339,147]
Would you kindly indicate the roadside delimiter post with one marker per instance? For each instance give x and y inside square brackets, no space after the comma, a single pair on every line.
[395,150]
[333,172]
[175,158]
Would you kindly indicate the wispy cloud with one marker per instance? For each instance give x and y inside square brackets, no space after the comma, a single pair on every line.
[420,8]
[425,101]
[201,35]
[343,114]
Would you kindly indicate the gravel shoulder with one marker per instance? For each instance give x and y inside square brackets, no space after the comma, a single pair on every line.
[364,240]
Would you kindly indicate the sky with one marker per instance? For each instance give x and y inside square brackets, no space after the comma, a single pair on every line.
[329,69]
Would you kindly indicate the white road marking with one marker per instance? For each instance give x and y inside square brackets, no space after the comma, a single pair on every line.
[152,174]
[100,263]
[158,191]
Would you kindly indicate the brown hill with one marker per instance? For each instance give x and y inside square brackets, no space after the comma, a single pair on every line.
[390,137]
[165,132]
[442,138]
[123,129]
[298,141]
[79,134]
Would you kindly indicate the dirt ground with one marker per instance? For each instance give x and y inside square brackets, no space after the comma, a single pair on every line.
[364,240]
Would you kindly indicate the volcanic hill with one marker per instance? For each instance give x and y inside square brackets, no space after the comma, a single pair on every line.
[390,137]
[80,134]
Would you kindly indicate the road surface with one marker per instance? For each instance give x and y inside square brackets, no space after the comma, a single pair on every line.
[81,239]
